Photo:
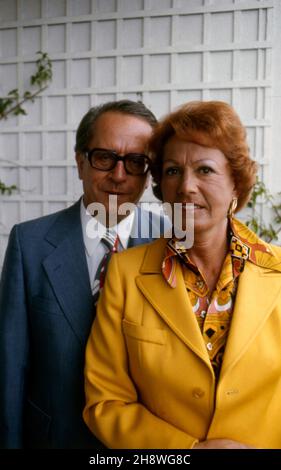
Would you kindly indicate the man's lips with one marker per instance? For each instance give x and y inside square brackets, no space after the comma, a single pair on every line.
[115,193]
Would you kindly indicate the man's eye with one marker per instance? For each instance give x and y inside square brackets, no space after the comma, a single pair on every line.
[105,156]
[136,161]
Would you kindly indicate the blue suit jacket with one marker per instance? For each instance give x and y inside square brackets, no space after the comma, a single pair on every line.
[46,311]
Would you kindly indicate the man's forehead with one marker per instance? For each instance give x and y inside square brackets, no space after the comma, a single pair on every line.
[120,117]
[113,126]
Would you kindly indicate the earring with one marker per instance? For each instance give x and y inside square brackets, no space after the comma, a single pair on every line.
[232,207]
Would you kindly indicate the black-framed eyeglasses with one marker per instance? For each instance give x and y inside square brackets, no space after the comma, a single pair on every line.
[105,160]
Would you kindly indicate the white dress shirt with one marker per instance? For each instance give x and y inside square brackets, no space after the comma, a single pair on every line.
[93,232]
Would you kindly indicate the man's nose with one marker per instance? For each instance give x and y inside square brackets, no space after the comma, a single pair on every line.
[118,173]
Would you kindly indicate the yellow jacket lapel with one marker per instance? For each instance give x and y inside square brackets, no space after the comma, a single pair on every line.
[172,304]
[258,292]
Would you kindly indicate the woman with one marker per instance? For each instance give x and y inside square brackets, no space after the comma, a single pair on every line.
[186,349]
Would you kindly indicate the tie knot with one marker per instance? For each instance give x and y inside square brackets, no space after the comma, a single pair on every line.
[109,239]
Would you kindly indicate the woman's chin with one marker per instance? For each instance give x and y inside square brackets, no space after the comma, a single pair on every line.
[201,225]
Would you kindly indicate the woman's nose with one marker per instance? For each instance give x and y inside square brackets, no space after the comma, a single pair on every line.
[188,183]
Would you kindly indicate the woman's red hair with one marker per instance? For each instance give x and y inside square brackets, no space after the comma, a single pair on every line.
[212,124]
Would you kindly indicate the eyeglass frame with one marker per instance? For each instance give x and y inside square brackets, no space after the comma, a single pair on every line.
[118,158]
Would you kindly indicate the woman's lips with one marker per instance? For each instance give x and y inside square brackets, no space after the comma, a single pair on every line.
[191,205]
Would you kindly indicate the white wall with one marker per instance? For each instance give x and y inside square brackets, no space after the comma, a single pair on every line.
[163,52]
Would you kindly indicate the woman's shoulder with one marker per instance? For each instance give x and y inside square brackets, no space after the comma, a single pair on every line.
[276,251]
[259,252]
[141,249]
[145,254]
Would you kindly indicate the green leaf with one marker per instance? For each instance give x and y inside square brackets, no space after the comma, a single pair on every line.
[268,231]
[6,189]
[12,104]
[19,111]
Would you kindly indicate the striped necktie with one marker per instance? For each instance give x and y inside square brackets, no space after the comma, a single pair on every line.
[110,241]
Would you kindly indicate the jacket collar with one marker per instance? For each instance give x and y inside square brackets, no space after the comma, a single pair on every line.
[66,269]
[260,253]
[258,292]
[266,255]
[173,305]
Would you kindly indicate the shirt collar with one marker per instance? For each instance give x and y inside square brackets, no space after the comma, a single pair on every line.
[93,230]
[243,245]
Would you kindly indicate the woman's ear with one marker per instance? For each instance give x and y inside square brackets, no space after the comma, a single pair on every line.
[235,194]
[232,206]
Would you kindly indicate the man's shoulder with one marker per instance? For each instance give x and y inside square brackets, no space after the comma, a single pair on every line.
[150,225]
[44,223]
[58,223]
[149,214]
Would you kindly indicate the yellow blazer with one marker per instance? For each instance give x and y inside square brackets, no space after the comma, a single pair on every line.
[149,381]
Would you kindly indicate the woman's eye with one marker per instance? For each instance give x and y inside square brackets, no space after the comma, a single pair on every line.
[205,170]
[170,171]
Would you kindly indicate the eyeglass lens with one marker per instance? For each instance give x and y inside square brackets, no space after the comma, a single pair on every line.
[106,160]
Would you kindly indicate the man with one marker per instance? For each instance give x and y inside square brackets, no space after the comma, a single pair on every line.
[46,302]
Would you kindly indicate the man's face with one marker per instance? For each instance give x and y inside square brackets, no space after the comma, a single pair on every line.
[124,134]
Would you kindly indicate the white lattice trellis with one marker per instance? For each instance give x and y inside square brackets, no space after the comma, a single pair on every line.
[164,52]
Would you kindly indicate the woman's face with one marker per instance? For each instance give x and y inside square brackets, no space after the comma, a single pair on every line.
[199,175]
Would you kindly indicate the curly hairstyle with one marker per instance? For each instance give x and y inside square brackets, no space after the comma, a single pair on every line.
[212,124]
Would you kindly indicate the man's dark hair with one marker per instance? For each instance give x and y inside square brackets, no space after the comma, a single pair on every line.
[86,127]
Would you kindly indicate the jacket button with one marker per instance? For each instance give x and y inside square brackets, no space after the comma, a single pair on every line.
[232,391]
[198,393]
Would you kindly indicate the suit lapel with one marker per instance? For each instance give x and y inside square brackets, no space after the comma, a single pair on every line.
[67,271]
[172,305]
[258,292]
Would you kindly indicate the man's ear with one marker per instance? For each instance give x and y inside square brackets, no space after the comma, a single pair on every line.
[147,181]
[80,160]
